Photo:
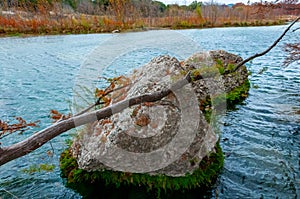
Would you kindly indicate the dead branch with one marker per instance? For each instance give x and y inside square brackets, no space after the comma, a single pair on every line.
[293,51]
[37,140]
[98,102]
[6,128]
[296,29]
[268,49]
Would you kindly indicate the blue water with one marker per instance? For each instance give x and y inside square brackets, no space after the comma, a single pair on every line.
[37,75]
[260,138]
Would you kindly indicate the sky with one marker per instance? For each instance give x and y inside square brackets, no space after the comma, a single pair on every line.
[187,2]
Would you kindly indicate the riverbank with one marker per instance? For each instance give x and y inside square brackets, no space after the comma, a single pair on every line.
[12,33]
[22,25]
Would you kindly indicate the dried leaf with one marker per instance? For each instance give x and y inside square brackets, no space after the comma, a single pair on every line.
[54,112]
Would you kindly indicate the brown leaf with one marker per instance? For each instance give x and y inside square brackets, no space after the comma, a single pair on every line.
[54,112]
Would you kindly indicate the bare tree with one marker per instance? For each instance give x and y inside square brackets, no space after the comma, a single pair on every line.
[120,9]
[210,12]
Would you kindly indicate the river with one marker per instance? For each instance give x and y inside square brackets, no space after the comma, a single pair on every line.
[260,137]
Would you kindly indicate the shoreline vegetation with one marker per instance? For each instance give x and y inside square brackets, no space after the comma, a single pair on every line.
[51,17]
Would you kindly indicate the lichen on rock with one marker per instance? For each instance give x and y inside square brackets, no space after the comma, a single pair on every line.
[148,128]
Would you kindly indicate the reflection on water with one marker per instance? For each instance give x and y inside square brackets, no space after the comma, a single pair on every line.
[261,138]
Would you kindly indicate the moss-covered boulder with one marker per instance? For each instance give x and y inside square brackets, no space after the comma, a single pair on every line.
[165,147]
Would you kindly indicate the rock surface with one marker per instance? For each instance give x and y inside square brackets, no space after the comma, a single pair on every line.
[170,136]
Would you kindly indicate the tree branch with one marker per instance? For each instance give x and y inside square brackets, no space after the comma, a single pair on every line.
[296,29]
[267,50]
[98,102]
[37,140]
[293,51]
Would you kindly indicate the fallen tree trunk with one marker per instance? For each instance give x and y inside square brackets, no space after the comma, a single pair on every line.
[37,140]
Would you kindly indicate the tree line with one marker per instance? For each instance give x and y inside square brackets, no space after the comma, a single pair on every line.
[85,16]
[149,8]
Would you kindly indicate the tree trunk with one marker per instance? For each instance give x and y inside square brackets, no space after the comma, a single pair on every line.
[40,138]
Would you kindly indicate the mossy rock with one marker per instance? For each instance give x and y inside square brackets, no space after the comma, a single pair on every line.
[236,96]
[233,98]
[114,184]
[107,183]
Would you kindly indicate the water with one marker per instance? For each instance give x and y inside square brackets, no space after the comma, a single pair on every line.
[36,76]
[260,138]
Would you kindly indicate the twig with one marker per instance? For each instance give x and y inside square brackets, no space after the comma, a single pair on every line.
[51,146]
[296,29]
[267,50]
[10,193]
[293,51]
[7,129]
[99,99]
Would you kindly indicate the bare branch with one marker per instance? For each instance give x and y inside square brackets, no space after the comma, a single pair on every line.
[294,53]
[6,128]
[98,102]
[268,49]
[296,29]
[40,138]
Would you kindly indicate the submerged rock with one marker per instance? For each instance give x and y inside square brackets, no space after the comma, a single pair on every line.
[173,137]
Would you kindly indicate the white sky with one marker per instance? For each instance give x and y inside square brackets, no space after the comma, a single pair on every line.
[187,2]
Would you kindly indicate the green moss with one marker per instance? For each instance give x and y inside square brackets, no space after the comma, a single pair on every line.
[230,67]
[39,168]
[220,66]
[109,182]
[232,98]
[238,94]
[205,72]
